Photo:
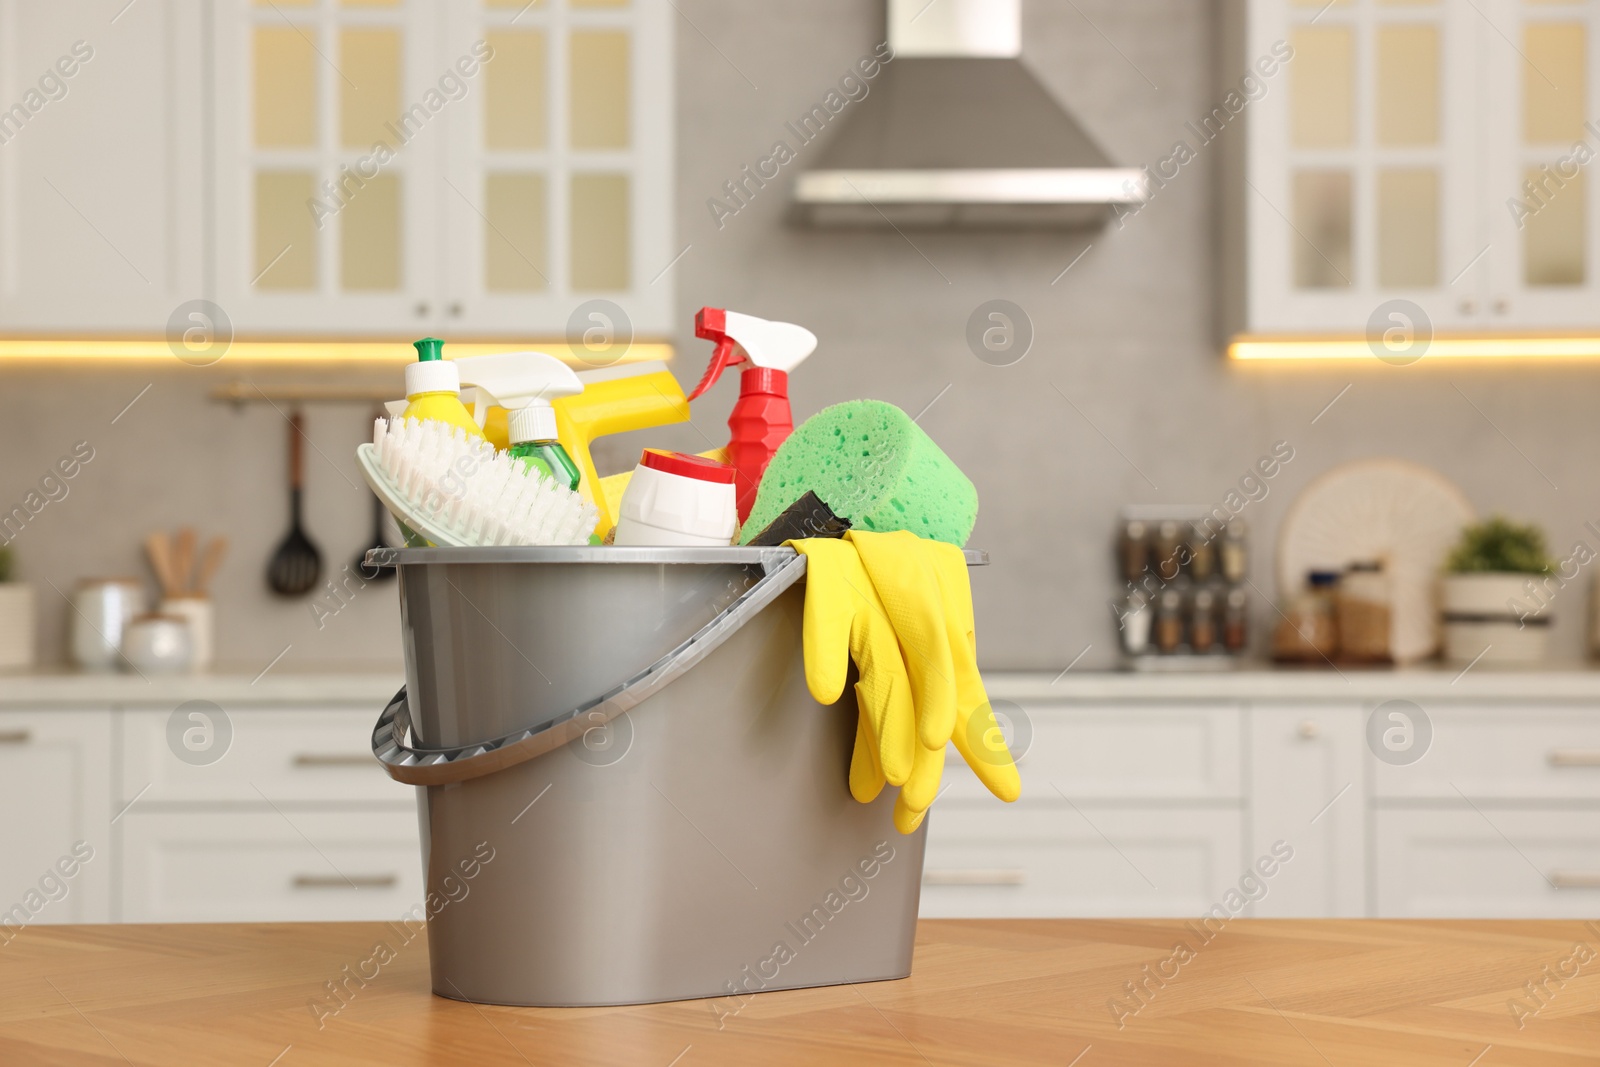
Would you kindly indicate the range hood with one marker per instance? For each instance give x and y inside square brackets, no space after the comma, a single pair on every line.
[955,131]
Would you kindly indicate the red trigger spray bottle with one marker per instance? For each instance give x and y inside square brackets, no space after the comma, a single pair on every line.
[761,419]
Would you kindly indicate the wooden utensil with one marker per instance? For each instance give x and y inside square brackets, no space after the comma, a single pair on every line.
[158,548]
[215,550]
[183,562]
[297,563]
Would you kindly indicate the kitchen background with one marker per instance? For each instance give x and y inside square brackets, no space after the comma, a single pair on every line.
[1123,398]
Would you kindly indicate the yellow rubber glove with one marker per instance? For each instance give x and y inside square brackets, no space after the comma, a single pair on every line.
[845,621]
[920,588]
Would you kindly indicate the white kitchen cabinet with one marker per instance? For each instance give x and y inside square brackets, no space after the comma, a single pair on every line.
[466,167]
[101,165]
[1383,162]
[1518,752]
[1307,767]
[56,792]
[1043,859]
[290,865]
[1488,863]
[272,755]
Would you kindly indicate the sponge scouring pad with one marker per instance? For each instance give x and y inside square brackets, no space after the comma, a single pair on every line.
[872,465]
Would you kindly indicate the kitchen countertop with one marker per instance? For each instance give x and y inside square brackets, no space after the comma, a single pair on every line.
[1263,992]
[1259,682]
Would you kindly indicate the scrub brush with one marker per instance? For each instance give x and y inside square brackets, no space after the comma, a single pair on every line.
[455,491]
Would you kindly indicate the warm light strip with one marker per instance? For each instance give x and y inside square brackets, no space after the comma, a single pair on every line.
[1247,348]
[329,352]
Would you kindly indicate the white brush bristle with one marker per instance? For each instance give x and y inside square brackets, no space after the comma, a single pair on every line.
[482,496]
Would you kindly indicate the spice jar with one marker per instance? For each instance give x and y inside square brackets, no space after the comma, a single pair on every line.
[1202,554]
[1235,622]
[1235,558]
[1169,622]
[1168,544]
[1133,550]
[1135,623]
[1365,606]
[1203,621]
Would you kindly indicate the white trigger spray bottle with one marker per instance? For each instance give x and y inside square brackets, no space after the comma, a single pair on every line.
[524,384]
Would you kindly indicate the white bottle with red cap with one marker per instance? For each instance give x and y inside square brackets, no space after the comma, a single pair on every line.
[678,499]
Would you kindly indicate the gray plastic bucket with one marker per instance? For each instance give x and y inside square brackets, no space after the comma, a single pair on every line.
[627,792]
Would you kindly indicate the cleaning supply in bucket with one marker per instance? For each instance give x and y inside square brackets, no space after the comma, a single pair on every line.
[524,385]
[633,396]
[761,419]
[900,608]
[874,466]
[678,499]
[806,517]
[455,490]
[433,389]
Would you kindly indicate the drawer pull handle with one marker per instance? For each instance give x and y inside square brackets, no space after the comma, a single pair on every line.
[975,876]
[15,737]
[1576,879]
[355,881]
[1575,757]
[335,759]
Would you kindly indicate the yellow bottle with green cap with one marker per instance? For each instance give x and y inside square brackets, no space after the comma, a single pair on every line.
[433,389]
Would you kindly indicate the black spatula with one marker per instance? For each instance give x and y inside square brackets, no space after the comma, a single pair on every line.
[296,565]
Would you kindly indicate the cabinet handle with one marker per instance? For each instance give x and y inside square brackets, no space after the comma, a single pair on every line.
[15,737]
[1575,757]
[1468,307]
[974,876]
[1576,879]
[1309,730]
[1501,306]
[455,310]
[335,759]
[422,309]
[355,881]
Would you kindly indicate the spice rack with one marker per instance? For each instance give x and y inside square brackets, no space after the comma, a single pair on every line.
[1183,603]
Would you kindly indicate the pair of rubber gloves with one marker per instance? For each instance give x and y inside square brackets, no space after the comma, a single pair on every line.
[900,607]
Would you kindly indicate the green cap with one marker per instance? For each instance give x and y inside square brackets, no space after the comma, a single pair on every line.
[429,348]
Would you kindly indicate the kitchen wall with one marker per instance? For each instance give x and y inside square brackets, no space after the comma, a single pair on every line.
[1124,397]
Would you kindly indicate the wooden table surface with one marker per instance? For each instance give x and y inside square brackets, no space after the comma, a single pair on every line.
[1321,993]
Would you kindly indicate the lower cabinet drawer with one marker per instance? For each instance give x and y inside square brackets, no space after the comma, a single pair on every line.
[201,752]
[1493,864]
[310,866]
[1050,861]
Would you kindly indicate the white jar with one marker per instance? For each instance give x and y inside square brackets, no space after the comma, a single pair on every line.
[101,608]
[157,644]
[196,610]
[678,499]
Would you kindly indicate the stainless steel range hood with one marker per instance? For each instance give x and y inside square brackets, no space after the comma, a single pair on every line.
[955,131]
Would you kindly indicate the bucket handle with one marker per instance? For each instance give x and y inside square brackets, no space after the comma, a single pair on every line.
[440,766]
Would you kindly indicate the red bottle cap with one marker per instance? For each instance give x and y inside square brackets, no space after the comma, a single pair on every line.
[687,466]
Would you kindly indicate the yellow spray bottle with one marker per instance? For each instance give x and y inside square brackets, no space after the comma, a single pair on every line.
[433,388]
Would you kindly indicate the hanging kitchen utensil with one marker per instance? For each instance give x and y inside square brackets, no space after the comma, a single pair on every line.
[297,564]
[379,535]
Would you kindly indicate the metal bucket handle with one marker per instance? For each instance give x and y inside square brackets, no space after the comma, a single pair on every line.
[439,766]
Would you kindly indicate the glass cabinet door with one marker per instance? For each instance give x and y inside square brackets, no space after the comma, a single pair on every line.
[557,183]
[1361,183]
[1539,189]
[326,166]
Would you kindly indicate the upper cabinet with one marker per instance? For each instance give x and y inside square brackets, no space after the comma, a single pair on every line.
[329,168]
[101,171]
[1421,150]
[467,167]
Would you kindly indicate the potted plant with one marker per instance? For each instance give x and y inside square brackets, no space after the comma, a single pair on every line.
[16,617]
[1496,594]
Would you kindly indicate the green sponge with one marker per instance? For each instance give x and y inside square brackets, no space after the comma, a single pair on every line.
[872,465]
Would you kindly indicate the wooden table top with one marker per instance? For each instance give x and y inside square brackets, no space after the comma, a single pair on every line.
[1322,993]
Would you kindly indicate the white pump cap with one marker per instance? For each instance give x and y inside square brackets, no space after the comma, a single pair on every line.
[432,376]
[524,383]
